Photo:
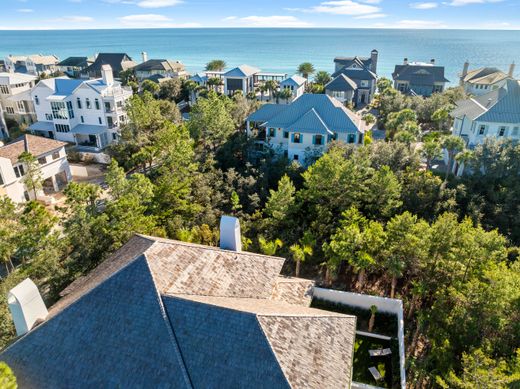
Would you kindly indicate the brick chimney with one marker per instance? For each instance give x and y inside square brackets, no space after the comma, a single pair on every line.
[374,56]
[465,70]
[512,69]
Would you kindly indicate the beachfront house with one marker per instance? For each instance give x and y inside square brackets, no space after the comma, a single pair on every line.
[495,114]
[118,62]
[419,78]
[160,313]
[73,66]
[483,80]
[301,130]
[342,88]
[157,69]
[87,113]
[53,166]
[15,99]
[34,64]
[296,84]
[361,71]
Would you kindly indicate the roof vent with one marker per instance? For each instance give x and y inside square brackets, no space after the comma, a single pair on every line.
[26,306]
[432,61]
[230,238]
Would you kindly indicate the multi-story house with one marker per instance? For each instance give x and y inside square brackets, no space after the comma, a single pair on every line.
[483,80]
[342,88]
[53,165]
[495,114]
[157,69]
[35,64]
[302,129]
[296,84]
[73,66]
[118,62]
[362,72]
[15,100]
[85,112]
[419,78]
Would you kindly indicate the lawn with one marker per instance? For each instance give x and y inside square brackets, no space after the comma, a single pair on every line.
[363,360]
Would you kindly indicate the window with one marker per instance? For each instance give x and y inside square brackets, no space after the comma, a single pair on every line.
[18,171]
[96,103]
[4,89]
[78,102]
[333,137]
[55,155]
[1,180]
[59,111]
[272,133]
[48,116]
[36,100]
[21,106]
[9,110]
[482,130]
[87,103]
[100,120]
[296,157]
[122,118]
[26,196]
[364,83]
[351,138]
[114,136]
[110,122]
[42,160]
[70,109]
[286,134]
[62,127]
[82,119]
[502,131]
[515,132]
[297,138]
[318,139]
[108,108]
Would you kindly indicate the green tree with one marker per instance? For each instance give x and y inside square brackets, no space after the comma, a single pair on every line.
[383,194]
[32,179]
[431,150]
[322,77]
[453,145]
[269,247]
[369,119]
[217,65]
[9,232]
[150,86]
[306,69]
[441,117]
[171,89]
[7,378]
[286,94]
[302,250]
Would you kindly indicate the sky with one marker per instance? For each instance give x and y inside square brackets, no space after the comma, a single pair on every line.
[88,14]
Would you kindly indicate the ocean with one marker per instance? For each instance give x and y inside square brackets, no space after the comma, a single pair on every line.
[279,50]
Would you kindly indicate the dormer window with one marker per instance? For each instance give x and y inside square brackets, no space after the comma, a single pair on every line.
[96,102]
[79,103]
[502,131]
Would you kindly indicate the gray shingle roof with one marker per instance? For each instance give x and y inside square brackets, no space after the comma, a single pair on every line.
[335,116]
[487,75]
[117,61]
[159,64]
[341,84]
[408,72]
[356,74]
[74,61]
[167,314]
[348,61]
[242,71]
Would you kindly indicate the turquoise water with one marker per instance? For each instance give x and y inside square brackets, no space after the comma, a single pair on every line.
[279,49]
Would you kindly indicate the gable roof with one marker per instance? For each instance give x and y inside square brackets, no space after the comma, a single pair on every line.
[356,74]
[163,313]
[295,80]
[74,61]
[485,76]
[265,112]
[419,73]
[334,115]
[118,62]
[312,123]
[36,145]
[17,78]
[160,64]
[348,61]
[341,83]
[242,71]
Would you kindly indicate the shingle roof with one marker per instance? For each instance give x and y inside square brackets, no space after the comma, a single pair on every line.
[335,116]
[159,64]
[356,74]
[17,78]
[295,79]
[341,83]
[499,106]
[74,61]
[118,62]
[242,71]
[409,71]
[487,75]
[162,313]
[348,61]
[36,145]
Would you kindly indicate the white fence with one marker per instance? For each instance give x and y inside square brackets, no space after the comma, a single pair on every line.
[383,304]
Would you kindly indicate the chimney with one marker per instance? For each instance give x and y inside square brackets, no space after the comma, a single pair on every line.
[405,62]
[373,56]
[432,61]
[26,306]
[464,72]
[512,70]
[230,238]
[144,55]
[107,74]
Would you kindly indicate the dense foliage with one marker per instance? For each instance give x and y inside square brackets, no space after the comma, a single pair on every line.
[372,218]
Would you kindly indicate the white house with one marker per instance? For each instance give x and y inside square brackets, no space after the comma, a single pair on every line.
[15,99]
[157,69]
[51,156]
[296,84]
[34,64]
[304,128]
[495,114]
[85,112]
[483,80]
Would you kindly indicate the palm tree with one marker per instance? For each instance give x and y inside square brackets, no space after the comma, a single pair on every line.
[286,94]
[453,145]
[322,77]
[431,150]
[214,83]
[463,158]
[271,87]
[373,310]
[306,69]
[441,116]
[216,65]
[269,247]
[369,119]
[299,252]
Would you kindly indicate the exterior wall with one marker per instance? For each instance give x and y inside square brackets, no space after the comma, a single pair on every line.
[471,130]
[343,96]
[143,74]
[22,111]
[478,89]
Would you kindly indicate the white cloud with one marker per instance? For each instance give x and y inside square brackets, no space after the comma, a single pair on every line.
[158,3]
[427,5]
[25,10]
[74,19]
[267,21]
[460,3]
[413,24]
[229,18]
[371,16]
[342,7]
[152,21]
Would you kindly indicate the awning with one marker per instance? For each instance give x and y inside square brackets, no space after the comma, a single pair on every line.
[42,126]
[87,129]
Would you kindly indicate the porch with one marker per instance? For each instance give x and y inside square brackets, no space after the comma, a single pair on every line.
[90,138]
